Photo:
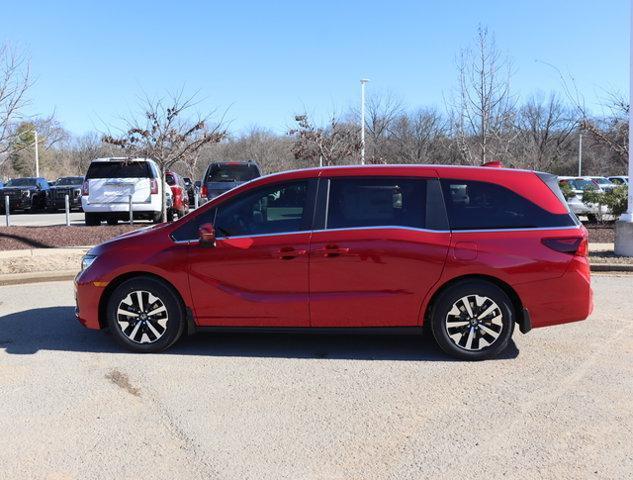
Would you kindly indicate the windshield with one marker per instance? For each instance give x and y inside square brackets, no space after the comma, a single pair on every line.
[21,182]
[582,184]
[601,181]
[122,169]
[227,172]
[69,181]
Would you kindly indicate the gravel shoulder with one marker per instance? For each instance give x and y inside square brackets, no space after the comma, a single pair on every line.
[556,405]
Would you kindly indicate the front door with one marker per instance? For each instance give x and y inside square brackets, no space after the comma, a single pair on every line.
[382,249]
[257,274]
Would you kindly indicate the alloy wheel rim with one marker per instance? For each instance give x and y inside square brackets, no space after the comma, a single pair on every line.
[474,322]
[142,317]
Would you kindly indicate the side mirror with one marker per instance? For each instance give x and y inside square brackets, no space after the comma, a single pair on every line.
[206,235]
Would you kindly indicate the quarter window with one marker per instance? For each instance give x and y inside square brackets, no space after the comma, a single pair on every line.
[473,205]
[372,202]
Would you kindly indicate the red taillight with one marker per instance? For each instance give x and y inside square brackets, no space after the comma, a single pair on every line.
[572,245]
[204,192]
[153,185]
[84,189]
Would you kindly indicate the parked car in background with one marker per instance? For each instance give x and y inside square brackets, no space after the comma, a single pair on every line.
[619,180]
[221,177]
[191,190]
[28,194]
[468,251]
[577,187]
[180,198]
[602,182]
[110,182]
[71,186]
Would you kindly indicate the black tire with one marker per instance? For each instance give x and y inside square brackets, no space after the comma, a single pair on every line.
[591,218]
[157,218]
[112,221]
[473,338]
[92,219]
[124,332]
[170,215]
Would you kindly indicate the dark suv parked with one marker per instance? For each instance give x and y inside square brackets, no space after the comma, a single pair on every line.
[70,186]
[221,177]
[25,194]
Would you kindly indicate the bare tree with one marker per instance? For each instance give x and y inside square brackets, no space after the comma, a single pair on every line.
[382,111]
[545,131]
[612,129]
[328,146]
[418,137]
[484,106]
[14,84]
[166,133]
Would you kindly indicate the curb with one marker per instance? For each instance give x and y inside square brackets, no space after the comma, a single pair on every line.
[612,267]
[39,252]
[36,277]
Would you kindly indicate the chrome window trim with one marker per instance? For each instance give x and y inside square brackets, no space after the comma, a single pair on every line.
[327,202]
[390,227]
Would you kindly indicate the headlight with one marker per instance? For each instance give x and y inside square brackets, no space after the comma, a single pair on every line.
[26,193]
[86,261]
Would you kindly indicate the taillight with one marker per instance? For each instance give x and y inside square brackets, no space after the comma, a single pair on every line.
[204,193]
[153,185]
[84,189]
[572,245]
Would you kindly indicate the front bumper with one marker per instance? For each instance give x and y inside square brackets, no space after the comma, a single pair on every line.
[17,203]
[87,298]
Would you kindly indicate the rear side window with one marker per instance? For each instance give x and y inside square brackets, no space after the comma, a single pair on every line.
[473,205]
[120,169]
[228,172]
[375,202]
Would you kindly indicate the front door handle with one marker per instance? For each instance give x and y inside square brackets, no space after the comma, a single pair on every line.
[288,253]
[331,251]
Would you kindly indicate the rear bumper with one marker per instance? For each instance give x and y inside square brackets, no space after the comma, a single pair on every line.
[559,300]
[119,207]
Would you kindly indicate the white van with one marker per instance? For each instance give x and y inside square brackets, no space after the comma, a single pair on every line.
[109,183]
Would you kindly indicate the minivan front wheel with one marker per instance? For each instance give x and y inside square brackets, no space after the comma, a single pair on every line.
[145,315]
[473,320]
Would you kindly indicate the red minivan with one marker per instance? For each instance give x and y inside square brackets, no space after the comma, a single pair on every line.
[465,252]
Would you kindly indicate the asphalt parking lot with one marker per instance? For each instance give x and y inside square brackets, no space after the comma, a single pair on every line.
[24,219]
[558,404]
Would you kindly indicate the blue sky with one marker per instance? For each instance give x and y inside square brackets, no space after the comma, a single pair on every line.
[267,60]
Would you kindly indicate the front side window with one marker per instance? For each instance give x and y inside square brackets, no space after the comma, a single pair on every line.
[473,205]
[274,209]
[375,202]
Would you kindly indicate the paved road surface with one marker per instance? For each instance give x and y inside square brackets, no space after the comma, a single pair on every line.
[42,219]
[72,405]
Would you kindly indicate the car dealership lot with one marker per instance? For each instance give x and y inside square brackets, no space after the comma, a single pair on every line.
[556,405]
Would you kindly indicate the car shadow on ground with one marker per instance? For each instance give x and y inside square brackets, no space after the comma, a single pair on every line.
[55,328]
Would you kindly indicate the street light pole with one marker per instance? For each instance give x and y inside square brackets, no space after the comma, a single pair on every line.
[580,155]
[37,155]
[624,225]
[362,120]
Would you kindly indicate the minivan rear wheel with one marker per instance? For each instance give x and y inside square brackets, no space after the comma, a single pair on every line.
[145,315]
[473,320]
